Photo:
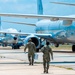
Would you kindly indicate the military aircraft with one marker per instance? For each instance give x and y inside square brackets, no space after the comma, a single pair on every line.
[56,29]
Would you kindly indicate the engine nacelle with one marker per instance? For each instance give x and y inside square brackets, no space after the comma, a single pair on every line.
[35,40]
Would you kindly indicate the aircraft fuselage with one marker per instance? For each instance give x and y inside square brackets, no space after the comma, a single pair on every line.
[61,33]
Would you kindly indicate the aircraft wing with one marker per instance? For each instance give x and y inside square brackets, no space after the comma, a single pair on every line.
[51,17]
[17,33]
[44,36]
[22,33]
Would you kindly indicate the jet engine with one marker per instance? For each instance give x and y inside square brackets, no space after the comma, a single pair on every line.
[15,38]
[35,40]
[16,43]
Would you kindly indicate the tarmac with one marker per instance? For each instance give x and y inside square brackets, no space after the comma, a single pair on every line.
[15,62]
[17,67]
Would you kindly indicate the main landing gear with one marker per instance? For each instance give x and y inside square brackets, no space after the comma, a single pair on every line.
[15,46]
[73,48]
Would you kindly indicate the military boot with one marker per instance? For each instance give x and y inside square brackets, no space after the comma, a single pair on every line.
[29,62]
[32,62]
[46,70]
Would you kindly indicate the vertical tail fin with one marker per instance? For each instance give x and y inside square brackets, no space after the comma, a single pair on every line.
[39,7]
[0,23]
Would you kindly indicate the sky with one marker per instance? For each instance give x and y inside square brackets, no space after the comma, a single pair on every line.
[30,7]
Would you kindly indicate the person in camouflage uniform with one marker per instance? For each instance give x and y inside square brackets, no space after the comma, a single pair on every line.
[31,51]
[46,56]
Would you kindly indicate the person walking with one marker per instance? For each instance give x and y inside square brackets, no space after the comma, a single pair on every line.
[46,56]
[31,51]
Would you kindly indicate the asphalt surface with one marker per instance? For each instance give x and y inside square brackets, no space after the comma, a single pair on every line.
[16,62]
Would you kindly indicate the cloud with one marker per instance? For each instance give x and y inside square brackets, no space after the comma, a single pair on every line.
[12,30]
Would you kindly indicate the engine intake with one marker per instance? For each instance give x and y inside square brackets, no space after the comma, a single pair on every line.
[15,38]
[34,39]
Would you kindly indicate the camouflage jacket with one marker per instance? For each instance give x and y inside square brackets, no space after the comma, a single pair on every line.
[31,47]
[46,53]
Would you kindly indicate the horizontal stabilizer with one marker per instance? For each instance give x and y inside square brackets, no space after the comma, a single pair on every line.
[63,3]
[23,23]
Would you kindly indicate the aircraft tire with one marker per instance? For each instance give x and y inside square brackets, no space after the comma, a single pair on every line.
[73,48]
[14,46]
[18,47]
[37,50]
[56,45]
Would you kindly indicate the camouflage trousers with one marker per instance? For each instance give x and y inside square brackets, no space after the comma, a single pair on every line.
[31,59]
[46,65]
